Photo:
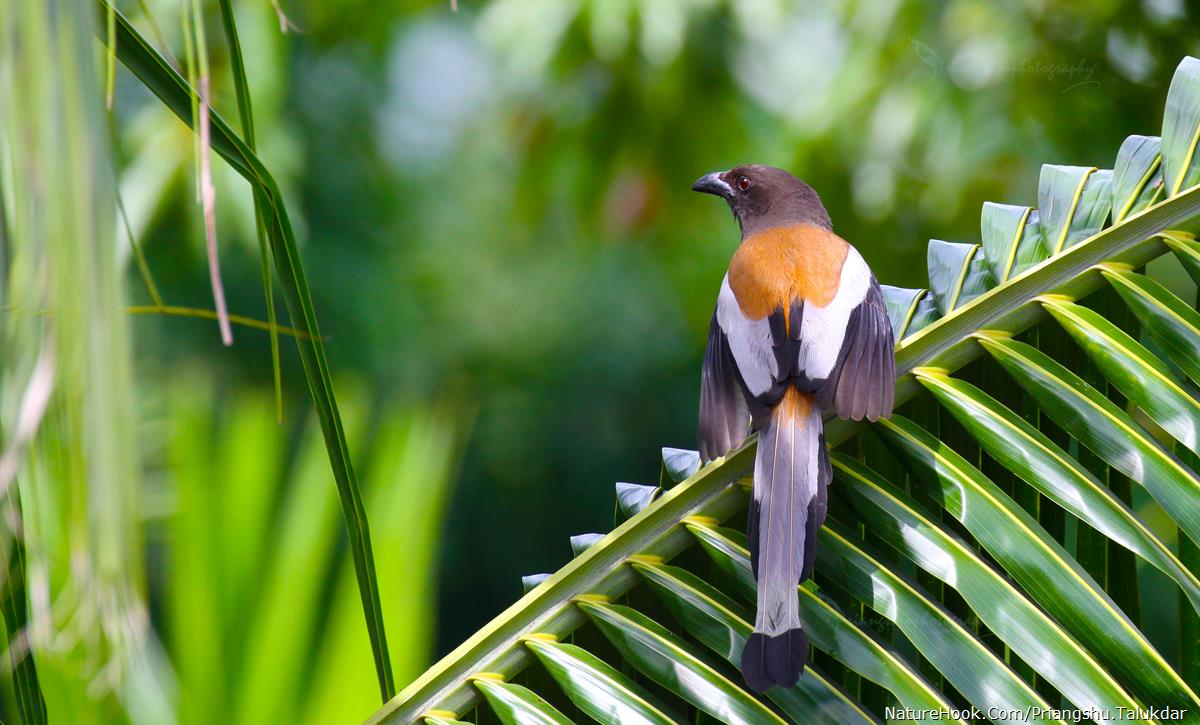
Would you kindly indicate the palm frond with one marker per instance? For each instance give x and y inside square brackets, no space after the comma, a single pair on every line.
[982,543]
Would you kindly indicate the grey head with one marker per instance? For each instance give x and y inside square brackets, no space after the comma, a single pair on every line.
[762,197]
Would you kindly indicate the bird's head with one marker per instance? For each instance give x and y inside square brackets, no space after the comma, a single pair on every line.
[764,196]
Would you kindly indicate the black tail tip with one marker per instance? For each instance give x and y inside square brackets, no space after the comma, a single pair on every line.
[774,661]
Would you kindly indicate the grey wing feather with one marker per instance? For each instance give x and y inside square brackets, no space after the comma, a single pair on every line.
[863,381]
[724,415]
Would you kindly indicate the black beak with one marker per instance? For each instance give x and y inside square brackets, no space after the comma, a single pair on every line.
[713,184]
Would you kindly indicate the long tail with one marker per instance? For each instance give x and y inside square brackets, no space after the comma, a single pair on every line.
[791,473]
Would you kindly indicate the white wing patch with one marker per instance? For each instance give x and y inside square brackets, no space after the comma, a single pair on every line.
[821,331]
[823,328]
[749,341]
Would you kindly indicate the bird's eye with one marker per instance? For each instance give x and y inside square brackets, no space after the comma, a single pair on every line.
[743,183]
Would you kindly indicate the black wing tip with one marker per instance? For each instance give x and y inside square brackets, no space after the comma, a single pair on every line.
[774,661]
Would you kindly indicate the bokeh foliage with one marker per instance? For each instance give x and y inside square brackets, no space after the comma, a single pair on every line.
[493,210]
[511,185]
[1013,604]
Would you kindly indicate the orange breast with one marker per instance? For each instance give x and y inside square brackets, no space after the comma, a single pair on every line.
[777,265]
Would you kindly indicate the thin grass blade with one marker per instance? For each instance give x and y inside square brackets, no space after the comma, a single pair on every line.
[164,82]
[245,112]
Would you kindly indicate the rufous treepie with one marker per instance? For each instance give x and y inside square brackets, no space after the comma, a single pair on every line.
[800,329]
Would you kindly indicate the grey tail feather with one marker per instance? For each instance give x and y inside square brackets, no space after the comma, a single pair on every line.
[791,473]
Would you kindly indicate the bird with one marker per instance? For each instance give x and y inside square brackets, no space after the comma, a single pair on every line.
[800,328]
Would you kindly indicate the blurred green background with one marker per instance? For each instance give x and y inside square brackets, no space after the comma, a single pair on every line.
[514,277]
